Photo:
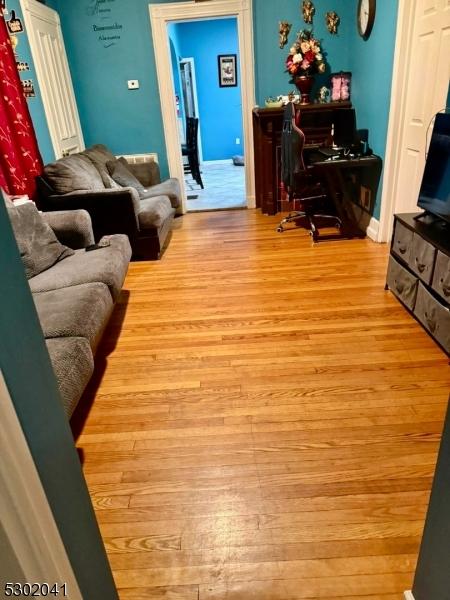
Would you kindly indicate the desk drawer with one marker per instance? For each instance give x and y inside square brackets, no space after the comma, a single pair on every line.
[403,239]
[421,259]
[434,316]
[441,279]
[402,283]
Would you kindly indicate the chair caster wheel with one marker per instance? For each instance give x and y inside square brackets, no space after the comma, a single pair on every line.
[280,229]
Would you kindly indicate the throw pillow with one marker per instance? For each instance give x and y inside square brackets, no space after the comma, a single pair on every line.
[38,246]
[123,176]
[72,173]
[99,155]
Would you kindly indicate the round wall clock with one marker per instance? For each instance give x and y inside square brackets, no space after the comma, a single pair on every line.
[366,17]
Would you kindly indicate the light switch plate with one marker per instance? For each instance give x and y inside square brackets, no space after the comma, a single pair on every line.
[133,84]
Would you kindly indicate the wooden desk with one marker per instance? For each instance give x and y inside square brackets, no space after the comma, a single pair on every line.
[352,185]
[316,120]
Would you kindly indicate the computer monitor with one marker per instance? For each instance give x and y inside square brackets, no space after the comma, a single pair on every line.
[344,121]
[434,195]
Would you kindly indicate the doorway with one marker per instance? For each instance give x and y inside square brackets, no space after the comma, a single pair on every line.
[161,16]
[205,60]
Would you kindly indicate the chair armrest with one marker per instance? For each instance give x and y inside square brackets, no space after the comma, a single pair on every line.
[73,228]
[111,211]
[147,173]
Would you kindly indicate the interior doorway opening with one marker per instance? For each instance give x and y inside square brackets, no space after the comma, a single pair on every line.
[206,79]
[163,14]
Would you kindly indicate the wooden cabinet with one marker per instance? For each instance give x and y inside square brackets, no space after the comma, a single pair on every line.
[315,120]
[419,272]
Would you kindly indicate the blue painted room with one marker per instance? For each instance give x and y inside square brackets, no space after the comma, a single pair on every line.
[225,313]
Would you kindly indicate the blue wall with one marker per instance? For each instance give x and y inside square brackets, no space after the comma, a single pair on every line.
[220,108]
[34,104]
[128,121]
[371,63]
[270,75]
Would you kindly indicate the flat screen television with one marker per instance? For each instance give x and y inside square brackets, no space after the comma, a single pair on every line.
[434,195]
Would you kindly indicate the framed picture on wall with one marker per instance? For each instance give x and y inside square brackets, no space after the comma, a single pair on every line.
[227,70]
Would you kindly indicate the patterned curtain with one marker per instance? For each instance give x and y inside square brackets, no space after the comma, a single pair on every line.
[20,160]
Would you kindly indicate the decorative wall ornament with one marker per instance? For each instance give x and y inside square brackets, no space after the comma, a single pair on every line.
[14,24]
[284,29]
[308,11]
[333,20]
[227,70]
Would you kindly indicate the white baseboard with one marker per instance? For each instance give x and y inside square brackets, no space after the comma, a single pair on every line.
[372,230]
[409,596]
[226,161]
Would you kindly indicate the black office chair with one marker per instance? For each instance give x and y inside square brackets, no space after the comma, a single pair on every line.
[190,149]
[299,179]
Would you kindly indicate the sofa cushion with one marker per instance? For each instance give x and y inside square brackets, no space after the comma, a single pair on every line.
[106,265]
[123,176]
[72,173]
[38,246]
[73,364]
[76,311]
[99,155]
[154,211]
[147,172]
[169,187]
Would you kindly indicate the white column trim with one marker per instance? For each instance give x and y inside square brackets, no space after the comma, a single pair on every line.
[160,16]
[400,74]
[373,229]
[25,513]
[409,596]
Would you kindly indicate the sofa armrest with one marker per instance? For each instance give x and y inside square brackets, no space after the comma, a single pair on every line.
[147,173]
[73,228]
[111,211]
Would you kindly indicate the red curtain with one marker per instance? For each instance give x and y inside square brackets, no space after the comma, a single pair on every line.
[20,160]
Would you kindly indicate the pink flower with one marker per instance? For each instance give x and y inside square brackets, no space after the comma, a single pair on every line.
[305,64]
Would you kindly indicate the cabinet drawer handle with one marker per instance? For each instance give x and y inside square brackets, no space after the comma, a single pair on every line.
[420,266]
[401,248]
[445,288]
[399,286]
[432,325]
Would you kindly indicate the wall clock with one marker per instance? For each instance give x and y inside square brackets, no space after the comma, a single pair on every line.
[366,17]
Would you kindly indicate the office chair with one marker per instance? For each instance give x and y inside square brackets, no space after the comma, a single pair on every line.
[190,149]
[298,178]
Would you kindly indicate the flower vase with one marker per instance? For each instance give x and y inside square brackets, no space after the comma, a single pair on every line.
[304,85]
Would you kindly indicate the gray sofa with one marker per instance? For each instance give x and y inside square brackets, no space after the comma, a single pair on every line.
[74,291]
[120,197]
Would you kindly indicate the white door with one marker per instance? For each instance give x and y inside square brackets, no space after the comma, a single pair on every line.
[426,93]
[49,55]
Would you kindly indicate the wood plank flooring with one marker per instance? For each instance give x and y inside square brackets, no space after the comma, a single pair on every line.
[267,420]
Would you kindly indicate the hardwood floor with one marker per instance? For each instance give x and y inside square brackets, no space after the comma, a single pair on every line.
[267,423]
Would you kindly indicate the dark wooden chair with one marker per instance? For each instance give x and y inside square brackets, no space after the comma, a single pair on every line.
[190,150]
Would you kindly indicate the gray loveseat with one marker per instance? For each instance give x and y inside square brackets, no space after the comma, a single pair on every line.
[74,291]
[120,197]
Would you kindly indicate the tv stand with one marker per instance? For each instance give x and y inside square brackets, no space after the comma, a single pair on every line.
[433,218]
[419,272]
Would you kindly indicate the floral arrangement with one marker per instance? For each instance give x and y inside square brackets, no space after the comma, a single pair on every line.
[305,57]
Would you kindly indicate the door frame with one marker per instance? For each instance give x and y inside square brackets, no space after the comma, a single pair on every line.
[191,61]
[400,74]
[26,515]
[163,14]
